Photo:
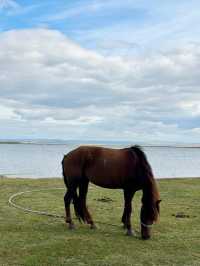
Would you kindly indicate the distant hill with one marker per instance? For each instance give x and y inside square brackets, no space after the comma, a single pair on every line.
[124,143]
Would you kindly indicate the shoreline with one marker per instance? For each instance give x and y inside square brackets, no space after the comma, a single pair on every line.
[59,178]
[125,144]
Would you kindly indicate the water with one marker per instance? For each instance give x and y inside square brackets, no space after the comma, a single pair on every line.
[43,160]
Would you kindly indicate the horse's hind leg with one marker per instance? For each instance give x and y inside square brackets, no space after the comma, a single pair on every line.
[83,189]
[67,200]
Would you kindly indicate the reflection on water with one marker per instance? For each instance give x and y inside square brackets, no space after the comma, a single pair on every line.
[44,160]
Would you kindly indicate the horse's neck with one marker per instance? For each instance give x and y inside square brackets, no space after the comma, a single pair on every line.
[150,192]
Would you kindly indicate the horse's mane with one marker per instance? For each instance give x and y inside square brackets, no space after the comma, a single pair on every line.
[145,168]
[151,195]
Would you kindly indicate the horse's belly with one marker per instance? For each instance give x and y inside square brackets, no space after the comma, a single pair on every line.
[107,180]
[106,184]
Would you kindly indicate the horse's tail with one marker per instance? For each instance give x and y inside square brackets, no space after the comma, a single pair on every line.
[78,209]
[144,168]
[63,172]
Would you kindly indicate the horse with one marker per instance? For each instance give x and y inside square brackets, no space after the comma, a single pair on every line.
[127,169]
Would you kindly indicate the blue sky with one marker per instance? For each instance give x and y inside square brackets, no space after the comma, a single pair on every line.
[97,24]
[126,70]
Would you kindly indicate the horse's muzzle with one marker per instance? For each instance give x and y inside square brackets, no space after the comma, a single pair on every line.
[146,237]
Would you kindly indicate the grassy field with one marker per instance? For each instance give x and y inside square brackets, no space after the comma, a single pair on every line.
[30,239]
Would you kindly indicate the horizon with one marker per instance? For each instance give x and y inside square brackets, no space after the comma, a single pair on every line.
[47,141]
[109,70]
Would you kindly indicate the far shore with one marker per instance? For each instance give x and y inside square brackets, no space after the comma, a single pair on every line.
[46,178]
[125,144]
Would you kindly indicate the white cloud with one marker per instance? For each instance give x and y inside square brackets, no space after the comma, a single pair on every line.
[7,4]
[55,88]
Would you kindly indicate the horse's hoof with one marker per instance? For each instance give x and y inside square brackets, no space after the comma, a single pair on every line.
[145,237]
[93,226]
[71,226]
[129,233]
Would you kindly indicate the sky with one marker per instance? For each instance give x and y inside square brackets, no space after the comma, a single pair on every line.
[100,70]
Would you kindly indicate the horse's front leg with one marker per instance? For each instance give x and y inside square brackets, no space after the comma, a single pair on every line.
[126,217]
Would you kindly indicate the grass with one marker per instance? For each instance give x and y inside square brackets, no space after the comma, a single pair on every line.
[30,239]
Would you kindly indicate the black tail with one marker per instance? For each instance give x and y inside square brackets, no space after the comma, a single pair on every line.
[63,172]
[72,187]
[78,209]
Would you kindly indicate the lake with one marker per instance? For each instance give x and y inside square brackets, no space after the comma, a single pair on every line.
[44,160]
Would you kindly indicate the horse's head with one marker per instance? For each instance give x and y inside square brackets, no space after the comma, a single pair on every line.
[149,214]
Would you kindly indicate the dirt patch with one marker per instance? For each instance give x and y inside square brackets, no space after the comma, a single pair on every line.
[182,215]
[104,199]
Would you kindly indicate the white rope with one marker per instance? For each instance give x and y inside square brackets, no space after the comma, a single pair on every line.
[14,196]
[146,225]
[10,201]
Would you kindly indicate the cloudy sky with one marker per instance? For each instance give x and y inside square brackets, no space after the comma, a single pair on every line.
[100,70]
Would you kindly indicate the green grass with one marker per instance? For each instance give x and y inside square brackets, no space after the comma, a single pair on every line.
[29,239]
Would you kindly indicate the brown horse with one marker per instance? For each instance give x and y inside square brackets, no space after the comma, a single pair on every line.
[126,169]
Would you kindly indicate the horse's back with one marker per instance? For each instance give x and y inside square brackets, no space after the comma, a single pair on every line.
[105,167]
[110,168]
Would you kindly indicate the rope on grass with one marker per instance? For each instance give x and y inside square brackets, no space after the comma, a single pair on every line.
[44,213]
[10,201]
